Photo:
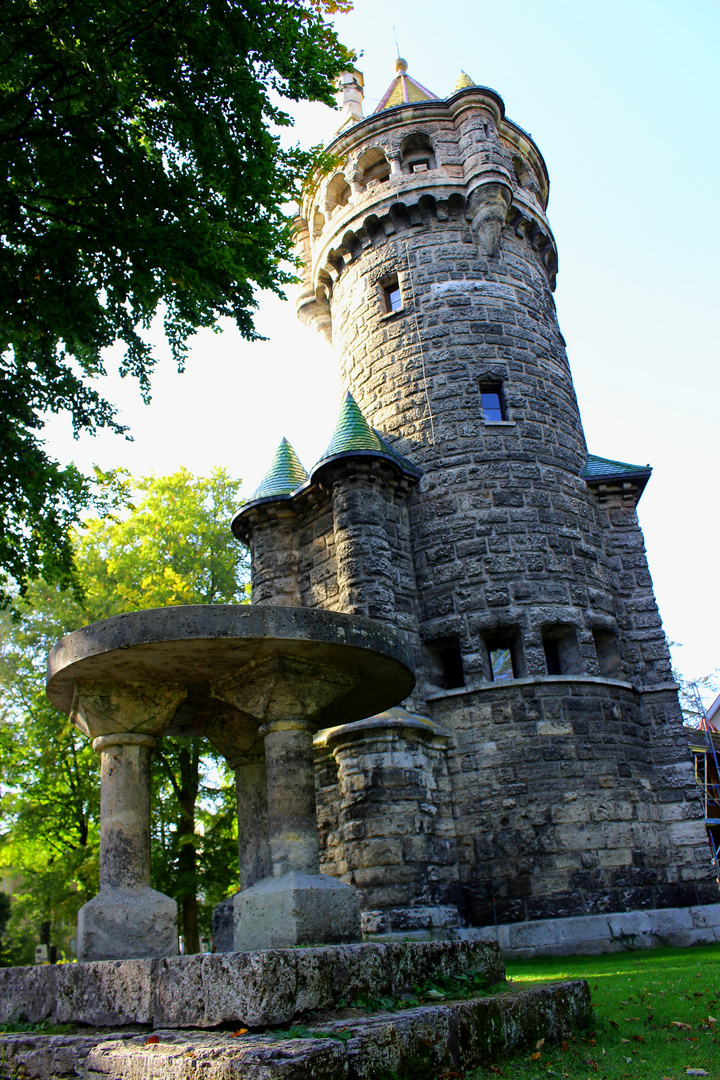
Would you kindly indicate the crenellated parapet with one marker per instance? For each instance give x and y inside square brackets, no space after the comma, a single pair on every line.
[404,168]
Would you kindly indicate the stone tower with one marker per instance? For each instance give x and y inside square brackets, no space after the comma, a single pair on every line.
[538,770]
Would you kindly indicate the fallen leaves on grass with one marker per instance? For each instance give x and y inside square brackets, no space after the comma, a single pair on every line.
[680,1024]
[536,1056]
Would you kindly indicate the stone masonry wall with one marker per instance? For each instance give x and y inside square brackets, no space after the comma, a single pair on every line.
[385,807]
[559,808]
[570,794]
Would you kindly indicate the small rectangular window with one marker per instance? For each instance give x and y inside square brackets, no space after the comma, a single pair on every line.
[501,665]
[445,662]
[504,656]
[608,654]
[392,296]
[493,402]
[562,650]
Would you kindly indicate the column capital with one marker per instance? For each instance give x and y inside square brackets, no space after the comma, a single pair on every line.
[286,725]
[123,738]
[119,708]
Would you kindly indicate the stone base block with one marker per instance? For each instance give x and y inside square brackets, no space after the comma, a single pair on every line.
[296,909]
[127,924]
[223,925]
[594,934]
[429,922]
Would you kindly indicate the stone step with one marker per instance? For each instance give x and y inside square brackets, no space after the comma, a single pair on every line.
[454,1035]
[250,989]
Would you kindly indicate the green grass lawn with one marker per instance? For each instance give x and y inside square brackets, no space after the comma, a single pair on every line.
[657,1015]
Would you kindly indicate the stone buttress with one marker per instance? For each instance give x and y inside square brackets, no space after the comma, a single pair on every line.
[458,501]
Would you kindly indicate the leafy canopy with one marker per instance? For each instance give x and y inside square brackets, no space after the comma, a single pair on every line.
[141,170]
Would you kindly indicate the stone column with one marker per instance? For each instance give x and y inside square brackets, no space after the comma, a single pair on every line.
[253,847]
[292,820]
[235,736]
[296,904]
[124,810]
[127,918]
[252,813]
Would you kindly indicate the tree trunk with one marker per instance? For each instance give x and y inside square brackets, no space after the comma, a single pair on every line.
[187,858]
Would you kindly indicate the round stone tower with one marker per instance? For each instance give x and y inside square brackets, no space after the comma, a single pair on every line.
[430,264]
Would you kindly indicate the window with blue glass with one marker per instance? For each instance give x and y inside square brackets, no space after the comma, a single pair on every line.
[493,402]
[392,297]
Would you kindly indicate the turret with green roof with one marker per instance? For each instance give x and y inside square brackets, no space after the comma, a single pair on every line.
[353,437]
[285,474]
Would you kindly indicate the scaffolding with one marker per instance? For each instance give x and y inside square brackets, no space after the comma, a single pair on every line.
[707,775]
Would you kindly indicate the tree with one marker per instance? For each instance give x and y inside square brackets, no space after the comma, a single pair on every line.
[142,170]
[171,545]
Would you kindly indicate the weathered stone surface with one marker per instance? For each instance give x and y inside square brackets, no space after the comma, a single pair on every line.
[245,988]
[125,924]
[197,645]
[102,994]
[45,1057]
[615,932]
[566,790]
[458,1035]
[296,909]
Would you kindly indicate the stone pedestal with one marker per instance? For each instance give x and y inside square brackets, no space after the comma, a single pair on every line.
[297,905]
[296,909]
[127,918]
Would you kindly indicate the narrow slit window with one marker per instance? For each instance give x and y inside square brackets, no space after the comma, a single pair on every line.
[493,403]
[392,297]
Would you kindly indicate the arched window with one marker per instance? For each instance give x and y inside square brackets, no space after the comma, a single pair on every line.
[338,192]
[417,153]
[373,166]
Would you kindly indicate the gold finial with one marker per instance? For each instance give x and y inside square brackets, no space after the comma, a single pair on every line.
[400,64]
[464,81]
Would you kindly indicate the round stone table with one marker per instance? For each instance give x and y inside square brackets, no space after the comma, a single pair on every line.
[247,677]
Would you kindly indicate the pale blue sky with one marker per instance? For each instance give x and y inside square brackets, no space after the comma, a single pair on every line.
[622,100]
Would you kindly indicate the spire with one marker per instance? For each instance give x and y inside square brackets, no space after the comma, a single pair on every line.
[353,437]
[404,89]
[464,81]
[284,475]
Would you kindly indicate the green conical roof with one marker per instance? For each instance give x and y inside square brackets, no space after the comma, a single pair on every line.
[599,468]
[284,475]
[354,437]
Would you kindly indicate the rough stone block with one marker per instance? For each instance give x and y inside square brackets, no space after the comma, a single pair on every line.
[296,909]
[123,924]
[448,1036]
